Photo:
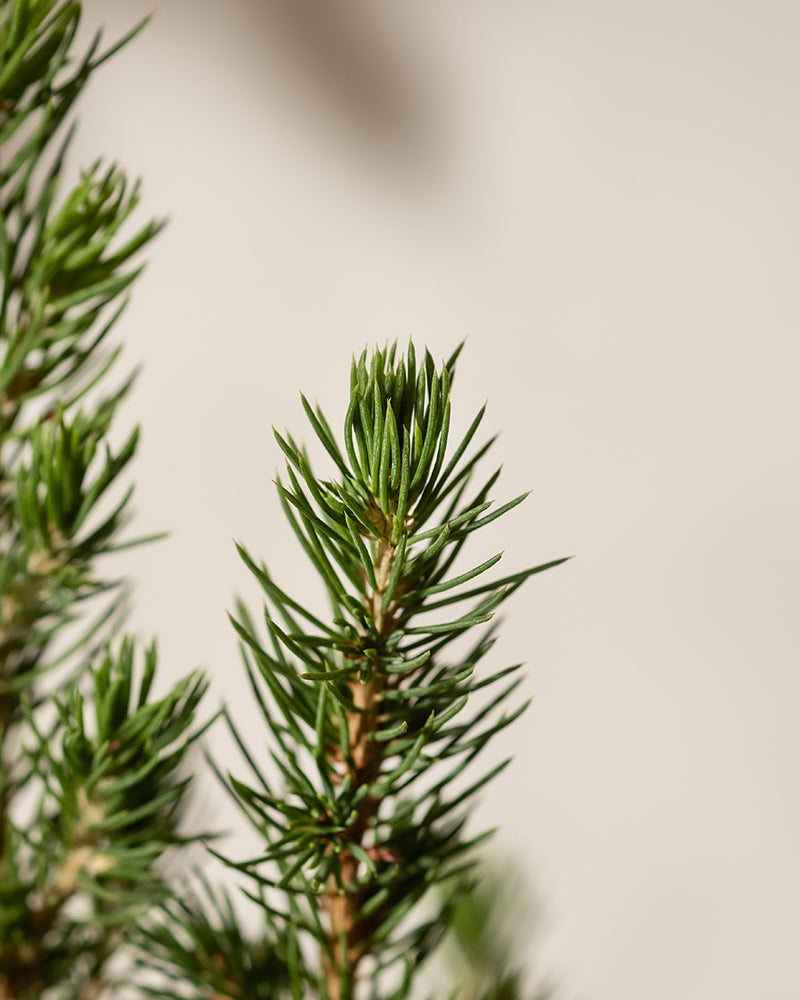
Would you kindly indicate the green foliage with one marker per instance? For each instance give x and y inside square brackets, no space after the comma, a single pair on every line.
[374,707]
[488,934]
[368,709]
[114,781]
[90,794]
[199,947]
[63,277]
[108,806]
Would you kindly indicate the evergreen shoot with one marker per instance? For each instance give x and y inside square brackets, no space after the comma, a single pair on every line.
[369,706]
[376,707]
[90,790]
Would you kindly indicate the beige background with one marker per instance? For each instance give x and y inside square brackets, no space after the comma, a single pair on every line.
[601,197]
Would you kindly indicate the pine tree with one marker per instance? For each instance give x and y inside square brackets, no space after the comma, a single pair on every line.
[90,792]
[375,705]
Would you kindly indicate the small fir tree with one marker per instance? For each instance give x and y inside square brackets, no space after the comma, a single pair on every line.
[369,704]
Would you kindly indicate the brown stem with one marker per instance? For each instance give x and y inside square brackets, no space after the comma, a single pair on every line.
[346,946]
[8,710]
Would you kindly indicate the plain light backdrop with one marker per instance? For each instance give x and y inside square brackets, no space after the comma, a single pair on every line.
[602,199]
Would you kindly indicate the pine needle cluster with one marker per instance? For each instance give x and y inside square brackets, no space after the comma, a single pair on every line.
[368,709]
[90,791]
[376,706]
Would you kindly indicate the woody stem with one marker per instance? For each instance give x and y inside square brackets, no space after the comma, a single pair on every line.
[345,947]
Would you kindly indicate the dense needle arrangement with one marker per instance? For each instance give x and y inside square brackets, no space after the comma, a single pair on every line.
[368,708]
[90,790]
[374,705]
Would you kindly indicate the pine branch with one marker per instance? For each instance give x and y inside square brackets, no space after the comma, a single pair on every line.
[366,708]
[370,707]
[90,794]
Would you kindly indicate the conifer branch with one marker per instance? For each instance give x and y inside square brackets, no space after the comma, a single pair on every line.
[90,791]
[366,706]
[369,704]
